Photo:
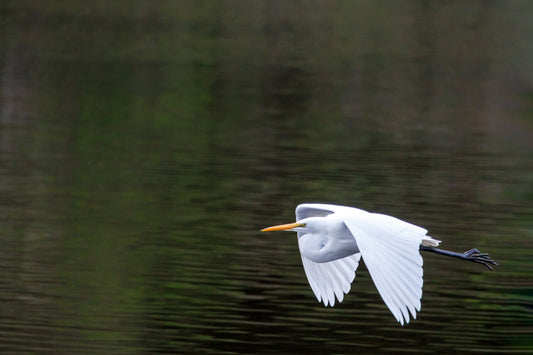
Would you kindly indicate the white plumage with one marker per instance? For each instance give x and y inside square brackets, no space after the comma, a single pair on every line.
[332,239]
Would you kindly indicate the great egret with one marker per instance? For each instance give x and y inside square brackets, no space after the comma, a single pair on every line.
[333,238]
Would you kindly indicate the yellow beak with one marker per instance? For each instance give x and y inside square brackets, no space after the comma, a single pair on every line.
[283,227]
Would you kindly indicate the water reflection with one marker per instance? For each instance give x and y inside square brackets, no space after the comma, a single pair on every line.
[142,150]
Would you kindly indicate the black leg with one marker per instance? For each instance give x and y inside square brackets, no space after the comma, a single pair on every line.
[473,255]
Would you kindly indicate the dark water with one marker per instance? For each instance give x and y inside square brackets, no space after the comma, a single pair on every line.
[144,144]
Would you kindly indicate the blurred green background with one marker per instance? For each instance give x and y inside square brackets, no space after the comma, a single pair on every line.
[143,144]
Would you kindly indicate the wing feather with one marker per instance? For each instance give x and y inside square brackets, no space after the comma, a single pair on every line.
[345,268]
[390,248]
[312,277]
[331,279]
[336,282]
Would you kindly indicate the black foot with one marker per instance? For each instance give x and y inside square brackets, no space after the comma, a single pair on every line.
[471,255]
[479,257]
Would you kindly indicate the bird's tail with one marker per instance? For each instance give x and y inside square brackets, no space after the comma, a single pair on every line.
[430,242]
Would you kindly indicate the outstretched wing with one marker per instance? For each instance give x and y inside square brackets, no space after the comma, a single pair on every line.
[331,279]
[390,249]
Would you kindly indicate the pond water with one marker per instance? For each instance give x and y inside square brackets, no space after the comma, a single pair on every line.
[143,145]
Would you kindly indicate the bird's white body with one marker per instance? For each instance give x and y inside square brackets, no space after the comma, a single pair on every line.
[332,240]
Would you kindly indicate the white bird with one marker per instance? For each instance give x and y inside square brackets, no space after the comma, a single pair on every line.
[333,238]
